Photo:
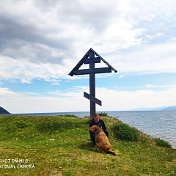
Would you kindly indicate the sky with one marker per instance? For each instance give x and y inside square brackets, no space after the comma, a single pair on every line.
[41,41]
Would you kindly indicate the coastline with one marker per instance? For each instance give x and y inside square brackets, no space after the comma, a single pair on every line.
[154,123]
[60,145]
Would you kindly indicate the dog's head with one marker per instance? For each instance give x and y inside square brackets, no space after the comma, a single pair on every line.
[94,128]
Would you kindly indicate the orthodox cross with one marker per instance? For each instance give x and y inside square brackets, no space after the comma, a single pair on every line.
[91,57]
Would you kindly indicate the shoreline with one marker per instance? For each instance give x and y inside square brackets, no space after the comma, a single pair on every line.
[145,121]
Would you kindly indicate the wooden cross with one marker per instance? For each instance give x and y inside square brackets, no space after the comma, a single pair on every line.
[91,57]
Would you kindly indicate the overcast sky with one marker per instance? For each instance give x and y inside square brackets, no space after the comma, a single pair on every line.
[41,41]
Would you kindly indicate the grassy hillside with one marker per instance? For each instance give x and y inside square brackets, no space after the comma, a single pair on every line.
[60,145]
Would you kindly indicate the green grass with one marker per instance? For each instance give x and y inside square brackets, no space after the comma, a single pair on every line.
[125,132]
[162,143]
[102,114]
[60,145]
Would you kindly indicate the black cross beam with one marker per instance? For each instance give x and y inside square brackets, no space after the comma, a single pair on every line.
[91,57]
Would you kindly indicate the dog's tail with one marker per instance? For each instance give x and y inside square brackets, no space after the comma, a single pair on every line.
[111,152]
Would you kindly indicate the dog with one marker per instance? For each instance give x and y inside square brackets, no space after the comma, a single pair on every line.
[101,140]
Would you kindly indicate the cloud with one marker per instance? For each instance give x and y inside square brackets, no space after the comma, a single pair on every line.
[147,59]
[141,98]
[38,33]
[5,92]
[32,102]
[152,86]
[26,71]
[45,39]
[60,101]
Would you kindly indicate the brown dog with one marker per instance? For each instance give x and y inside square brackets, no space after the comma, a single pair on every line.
[101,140]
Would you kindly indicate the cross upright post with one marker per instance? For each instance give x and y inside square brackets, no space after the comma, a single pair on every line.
[92,84]
[91,57]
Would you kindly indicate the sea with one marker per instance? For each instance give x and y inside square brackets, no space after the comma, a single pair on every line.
[158,124]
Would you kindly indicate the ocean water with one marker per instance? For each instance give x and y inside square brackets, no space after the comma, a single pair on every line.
[160,124]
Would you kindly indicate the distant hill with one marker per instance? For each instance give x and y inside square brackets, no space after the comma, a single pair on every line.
[148,109]
[3,111]
[170,108]
[161,108]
